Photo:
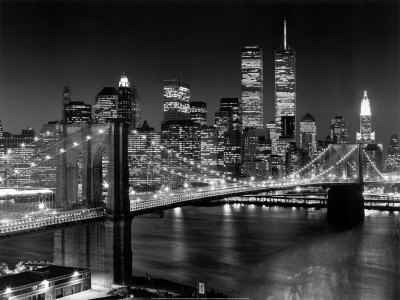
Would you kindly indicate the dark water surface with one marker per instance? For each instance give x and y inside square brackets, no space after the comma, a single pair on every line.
[257,252]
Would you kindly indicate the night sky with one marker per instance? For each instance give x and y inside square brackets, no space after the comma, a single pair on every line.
[341,49]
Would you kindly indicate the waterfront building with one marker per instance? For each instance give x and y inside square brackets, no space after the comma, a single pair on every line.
[252,87]
[106,105]
[198,112]
[338,130]
[277,168]
[18,150]
[285,95]
[295,158]
[45,283]
[77,112]
[392,161]
[308,131]
[366,135]
[65,99]
[176,100]
[144,156]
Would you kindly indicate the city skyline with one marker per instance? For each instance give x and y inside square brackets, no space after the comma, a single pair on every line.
[342,77]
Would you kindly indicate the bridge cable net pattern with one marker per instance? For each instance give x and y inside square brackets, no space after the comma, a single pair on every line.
[27,208]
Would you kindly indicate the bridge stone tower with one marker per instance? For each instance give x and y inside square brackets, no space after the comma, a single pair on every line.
[79,170]
[104,247]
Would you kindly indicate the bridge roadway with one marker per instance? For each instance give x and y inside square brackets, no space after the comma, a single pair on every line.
[59,219]
[189,196]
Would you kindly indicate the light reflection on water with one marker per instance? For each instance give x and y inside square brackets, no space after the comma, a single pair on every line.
[257,252]
[272,253]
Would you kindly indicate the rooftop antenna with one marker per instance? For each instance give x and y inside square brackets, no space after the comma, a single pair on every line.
[284,33]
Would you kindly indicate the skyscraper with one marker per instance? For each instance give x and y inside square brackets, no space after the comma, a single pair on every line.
[285,95]
[198,112]
[234,105]
[252,87]
[144,156]
[128,102]
[176,100]
[392,161]
[106,105]
[308,131]
[338,132]
[66,98]
[366,135]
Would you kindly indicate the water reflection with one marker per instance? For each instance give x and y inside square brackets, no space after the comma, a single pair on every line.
[256,252]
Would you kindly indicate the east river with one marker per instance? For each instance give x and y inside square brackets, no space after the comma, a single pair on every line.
[256,252]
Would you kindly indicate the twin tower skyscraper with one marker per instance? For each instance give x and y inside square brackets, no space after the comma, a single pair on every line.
[285,92]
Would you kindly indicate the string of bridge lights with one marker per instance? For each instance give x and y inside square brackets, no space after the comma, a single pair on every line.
[36,140]
[373,165]
[323,152]
[60,152]
[337,163]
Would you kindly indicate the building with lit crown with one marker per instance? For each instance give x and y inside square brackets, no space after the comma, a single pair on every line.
[176,100]
[128,107]
[252,87]
[366,135]
[285,96]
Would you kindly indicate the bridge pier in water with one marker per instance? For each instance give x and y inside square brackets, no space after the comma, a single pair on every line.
[346,205]
[103,247]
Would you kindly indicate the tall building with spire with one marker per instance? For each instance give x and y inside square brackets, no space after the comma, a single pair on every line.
[285,95]
[128,108]
[252,87]
[366,135]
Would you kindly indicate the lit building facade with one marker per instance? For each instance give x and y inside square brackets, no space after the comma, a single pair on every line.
[176,100]
[198,112]
[308,132]
[106,105]
[234,105]
[338,130]
[252,87]
[144,156]
[77,112]
[210,148]
[19,150]
[45,283]
[392,161]
[366,135]
[256,153]
[181,137]
[285,95]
